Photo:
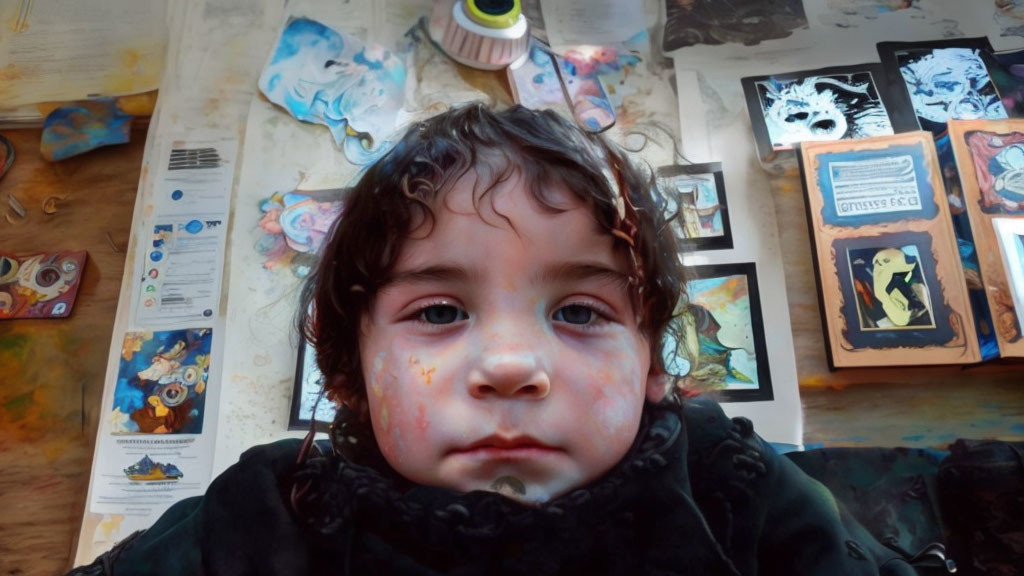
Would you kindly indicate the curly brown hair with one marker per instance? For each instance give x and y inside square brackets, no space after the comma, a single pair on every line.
[398,193]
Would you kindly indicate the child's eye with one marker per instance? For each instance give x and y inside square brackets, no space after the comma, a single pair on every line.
[442,314]
[577,314]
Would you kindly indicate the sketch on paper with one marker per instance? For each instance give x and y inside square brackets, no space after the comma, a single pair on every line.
[696,196]
[1009,16]
[326,77]
[716,341]
[890,287]
[850,13]
[999,166]
[161,382]
[295,225]
[947,83]
[827,107]
[748,22]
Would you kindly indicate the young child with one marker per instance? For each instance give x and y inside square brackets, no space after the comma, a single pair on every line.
[488,313]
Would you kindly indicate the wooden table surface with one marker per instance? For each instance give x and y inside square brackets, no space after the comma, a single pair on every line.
[51,371]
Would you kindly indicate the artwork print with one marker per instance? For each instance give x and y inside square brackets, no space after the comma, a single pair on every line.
[161,382]
[535,82]
[825,107]
[947,83]
[999,167]
[891,292]
[327,77]
[696,197]
[1011,244]
[716,341]
[747,22]
[39,285]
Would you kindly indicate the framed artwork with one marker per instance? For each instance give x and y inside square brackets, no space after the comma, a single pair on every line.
[306,391]
[990,158]
[716,341]
[839,103]
[891,288]
[696,195]
[944,80]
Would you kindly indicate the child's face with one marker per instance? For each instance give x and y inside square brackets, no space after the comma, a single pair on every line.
[506,357]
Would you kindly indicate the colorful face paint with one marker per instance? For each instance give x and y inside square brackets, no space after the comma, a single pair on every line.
[528,392]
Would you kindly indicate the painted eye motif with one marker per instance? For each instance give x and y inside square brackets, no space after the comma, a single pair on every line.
[442,314]
[575,314]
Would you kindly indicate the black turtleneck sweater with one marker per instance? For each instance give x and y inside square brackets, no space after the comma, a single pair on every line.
[697,493]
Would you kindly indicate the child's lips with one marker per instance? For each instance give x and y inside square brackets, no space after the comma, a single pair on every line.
[497,446]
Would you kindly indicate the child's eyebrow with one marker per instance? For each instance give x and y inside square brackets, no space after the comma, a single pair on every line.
[436,273]
[581,271]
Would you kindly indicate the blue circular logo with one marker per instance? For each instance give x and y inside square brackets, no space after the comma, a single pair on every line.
[156,255]
[194,227]
[177,194]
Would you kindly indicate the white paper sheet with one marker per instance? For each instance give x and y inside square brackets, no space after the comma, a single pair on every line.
[595,22]
[59,50]
[1010,232]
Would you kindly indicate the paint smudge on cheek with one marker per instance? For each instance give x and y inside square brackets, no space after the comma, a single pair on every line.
[375,383]
[427,374]
[422,423]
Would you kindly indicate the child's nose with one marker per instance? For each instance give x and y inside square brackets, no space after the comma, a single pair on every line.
[509,374]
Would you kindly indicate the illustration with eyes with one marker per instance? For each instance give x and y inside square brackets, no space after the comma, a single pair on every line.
[821,108]
[950,83]
[1009,182]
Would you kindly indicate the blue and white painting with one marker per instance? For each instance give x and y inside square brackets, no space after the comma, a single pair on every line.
[327,77]
[949,83]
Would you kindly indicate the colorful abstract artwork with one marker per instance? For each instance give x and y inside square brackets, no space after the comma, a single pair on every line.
[39,285]
[999,167]
[161,382]
[748,22]
[294,226]
[83,126]
[696,197]
[327,77]
[716,341]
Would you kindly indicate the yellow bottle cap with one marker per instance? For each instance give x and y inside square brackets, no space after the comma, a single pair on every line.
[494,13]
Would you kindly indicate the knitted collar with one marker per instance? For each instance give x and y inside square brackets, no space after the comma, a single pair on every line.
[637,518]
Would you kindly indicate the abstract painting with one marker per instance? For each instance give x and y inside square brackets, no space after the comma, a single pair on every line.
[716,341]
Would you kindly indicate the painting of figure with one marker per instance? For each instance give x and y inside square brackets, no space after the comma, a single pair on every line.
[161,382]
[716,342]
[891,290]
[832,107]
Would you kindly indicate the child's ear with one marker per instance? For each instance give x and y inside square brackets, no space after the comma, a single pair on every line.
[658,384]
